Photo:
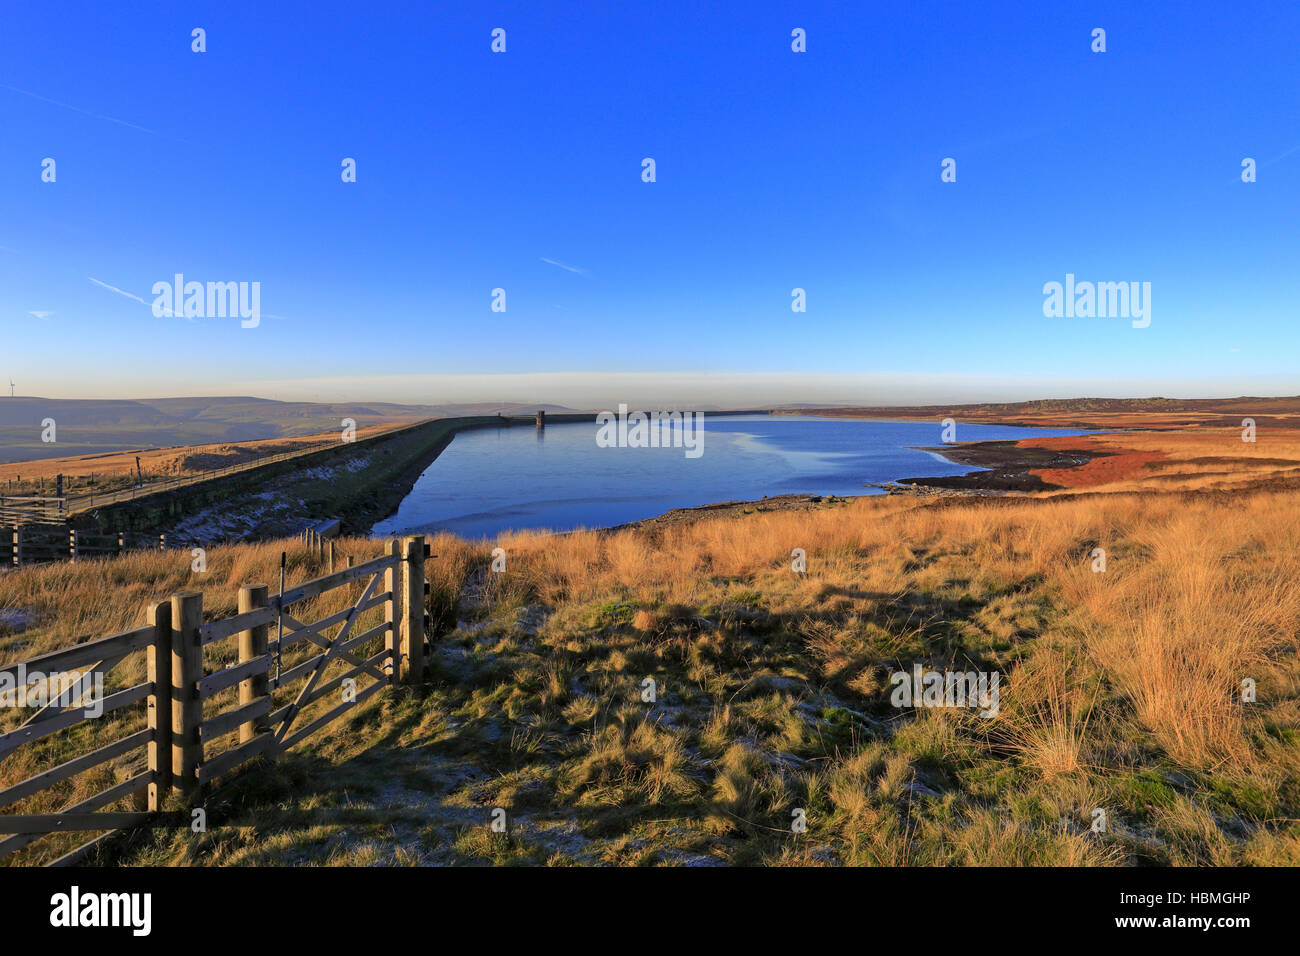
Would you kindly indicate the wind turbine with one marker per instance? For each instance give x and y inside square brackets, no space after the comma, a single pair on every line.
[11,388]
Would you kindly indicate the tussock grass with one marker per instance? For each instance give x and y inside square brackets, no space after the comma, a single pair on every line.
[1120,691]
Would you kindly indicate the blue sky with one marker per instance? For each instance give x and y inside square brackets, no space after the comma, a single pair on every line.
[775,170]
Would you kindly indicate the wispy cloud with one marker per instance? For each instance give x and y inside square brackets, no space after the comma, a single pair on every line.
[1269,162]
[113,288]
[1283,155]
[165,310]
[130,295]
[77,109]
[41,315]
[575,269]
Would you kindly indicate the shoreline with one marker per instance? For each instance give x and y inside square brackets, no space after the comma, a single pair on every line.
[1005,466]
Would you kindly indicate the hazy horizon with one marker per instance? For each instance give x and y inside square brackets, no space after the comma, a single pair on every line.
[720,390]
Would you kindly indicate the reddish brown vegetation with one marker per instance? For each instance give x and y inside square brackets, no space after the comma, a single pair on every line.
[1110,464]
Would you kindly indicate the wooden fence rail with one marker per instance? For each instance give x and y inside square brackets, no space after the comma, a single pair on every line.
[22,545]
[204,714]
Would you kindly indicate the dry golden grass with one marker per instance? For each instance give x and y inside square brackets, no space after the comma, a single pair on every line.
[1199,596]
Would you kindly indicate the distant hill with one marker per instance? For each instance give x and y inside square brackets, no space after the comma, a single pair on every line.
[1089,412]
[88,426]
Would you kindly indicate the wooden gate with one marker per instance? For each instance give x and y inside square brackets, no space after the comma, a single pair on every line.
[200,724]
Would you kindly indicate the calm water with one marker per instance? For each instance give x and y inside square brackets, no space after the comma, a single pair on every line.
[492,480]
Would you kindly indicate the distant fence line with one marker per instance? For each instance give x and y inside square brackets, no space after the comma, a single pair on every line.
[35,509]
[173,740]
[40,544]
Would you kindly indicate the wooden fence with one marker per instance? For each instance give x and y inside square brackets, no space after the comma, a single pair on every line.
[30,509]
[36,544]
[207,707]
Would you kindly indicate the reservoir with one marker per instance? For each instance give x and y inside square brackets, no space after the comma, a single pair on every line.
[492,480]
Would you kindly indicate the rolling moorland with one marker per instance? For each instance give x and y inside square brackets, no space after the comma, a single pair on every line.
[1121,690]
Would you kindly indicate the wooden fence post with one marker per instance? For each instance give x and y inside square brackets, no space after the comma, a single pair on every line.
[331,556]
[187,670]
[393,611]
[160,704]
[413,610]
[252,645]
